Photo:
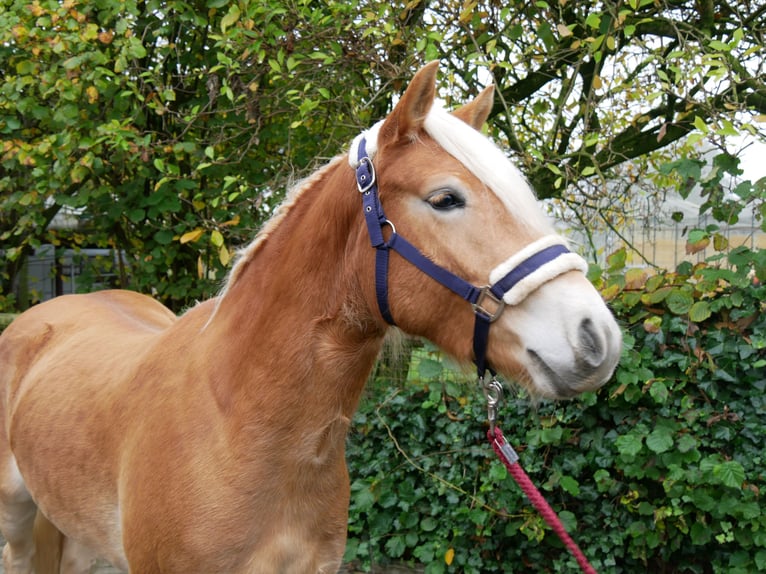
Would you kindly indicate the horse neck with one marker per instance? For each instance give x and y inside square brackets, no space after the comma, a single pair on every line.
[294,328]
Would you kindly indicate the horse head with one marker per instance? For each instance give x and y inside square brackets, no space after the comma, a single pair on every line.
[467,211]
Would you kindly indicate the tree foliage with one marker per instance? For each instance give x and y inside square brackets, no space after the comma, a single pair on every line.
[171,128]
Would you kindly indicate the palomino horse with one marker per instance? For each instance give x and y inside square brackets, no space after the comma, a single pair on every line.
[214,442]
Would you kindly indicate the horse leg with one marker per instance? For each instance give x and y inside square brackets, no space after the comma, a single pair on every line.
[76,558]
[17,518]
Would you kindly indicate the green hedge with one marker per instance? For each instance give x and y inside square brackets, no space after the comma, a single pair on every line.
[5,320]
[659,471]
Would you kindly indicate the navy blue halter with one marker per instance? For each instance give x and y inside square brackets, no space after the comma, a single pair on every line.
[487,301]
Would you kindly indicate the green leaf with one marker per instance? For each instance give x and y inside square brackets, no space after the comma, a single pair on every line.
[429,368]
[569,520]
[164,237]
[700,124]
[570,485]
[216,238]
[700,311]
[660,440]
[616,260]
[136,49]
[362,495]
[679,302]
[231,17]
[731,473]
[136,215]
[659,392]
[699,534]
[629,444]
[719,46]
[497,471]
[395,546]
[686,443]
[593,20]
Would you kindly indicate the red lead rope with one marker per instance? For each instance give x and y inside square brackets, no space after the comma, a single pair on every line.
[511,461]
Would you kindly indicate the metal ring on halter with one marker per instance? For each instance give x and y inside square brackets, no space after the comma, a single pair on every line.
[391,225]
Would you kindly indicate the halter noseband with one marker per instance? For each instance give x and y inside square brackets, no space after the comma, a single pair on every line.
[511,281]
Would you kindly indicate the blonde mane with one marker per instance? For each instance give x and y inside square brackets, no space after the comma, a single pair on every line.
[245,255]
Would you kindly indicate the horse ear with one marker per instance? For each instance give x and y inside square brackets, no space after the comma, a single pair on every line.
[476,112]
[410,112]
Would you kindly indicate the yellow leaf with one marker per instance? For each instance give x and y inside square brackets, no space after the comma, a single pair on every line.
[233,221]
[191,236]
[231,17]
[563,30]
[697,246]
[92,93]
[467,13]
[200,267]
[761,118]
[597,82]
[610,292]
[224,256]
[449,556]
[635,278]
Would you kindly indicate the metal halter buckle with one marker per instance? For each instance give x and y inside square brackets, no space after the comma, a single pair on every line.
[361,183]
[496,305]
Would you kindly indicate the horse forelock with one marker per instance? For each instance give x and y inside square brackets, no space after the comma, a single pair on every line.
[489,164]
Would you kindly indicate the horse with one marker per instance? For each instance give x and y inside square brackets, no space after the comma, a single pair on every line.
[214,441]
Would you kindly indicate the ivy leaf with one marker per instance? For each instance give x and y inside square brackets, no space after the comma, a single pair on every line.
[570,485]
[497,471]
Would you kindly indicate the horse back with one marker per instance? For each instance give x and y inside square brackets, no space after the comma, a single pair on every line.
[78,336]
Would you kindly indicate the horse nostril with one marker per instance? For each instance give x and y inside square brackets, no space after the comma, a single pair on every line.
[591,344]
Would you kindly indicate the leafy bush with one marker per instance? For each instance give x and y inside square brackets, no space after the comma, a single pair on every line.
[661,470]
[5,320]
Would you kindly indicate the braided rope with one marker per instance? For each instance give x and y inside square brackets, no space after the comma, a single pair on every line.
[510,460]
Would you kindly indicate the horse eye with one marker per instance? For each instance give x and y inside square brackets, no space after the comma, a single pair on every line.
[446,200]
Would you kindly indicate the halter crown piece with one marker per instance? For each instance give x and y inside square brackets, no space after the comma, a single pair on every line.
[509,283]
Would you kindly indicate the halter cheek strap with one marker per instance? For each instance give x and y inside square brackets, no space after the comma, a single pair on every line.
[510,282]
